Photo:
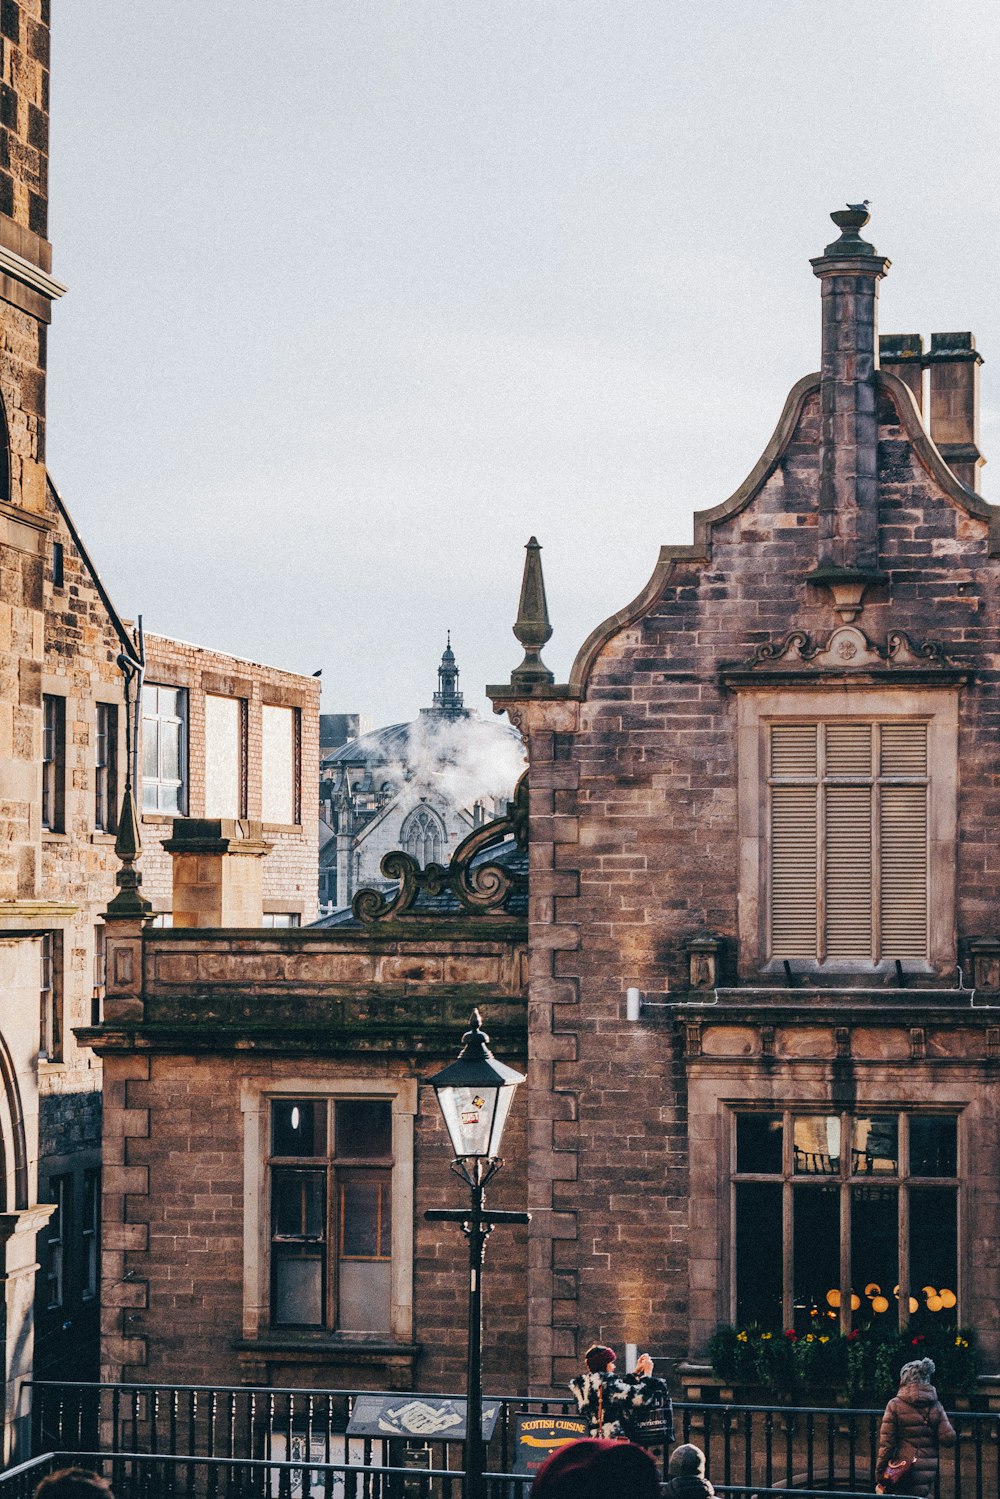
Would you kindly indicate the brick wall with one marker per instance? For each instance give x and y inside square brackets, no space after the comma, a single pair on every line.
[291,870]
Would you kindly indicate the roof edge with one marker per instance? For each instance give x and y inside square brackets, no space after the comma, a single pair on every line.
[698,550]
[128,643]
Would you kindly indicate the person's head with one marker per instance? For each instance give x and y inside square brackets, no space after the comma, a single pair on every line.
[600,1359]
[687,1459]
[74,1483]
[595,1469]
[917,1371]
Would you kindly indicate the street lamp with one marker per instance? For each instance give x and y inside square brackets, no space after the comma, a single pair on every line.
[475,1094]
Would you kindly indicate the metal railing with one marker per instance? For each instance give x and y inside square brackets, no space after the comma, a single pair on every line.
[147,1476]
[749,1448]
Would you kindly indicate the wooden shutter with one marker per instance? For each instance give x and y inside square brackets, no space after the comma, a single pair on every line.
[903,843]
[848,872]
[794,840]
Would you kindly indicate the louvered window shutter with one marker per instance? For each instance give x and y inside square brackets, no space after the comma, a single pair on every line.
[794,840]
[903,842]
[847,875]
[848,856]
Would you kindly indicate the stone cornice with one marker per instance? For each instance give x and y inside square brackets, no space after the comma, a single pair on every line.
[29,274]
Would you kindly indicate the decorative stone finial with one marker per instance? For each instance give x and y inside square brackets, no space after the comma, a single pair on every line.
[532,628]
[850,221]
[129,904]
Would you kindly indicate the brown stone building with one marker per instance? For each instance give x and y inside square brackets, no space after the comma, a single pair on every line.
[758,987]
[228,738]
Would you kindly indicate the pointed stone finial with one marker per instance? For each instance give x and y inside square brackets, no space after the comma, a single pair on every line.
[532,628]
[129,904]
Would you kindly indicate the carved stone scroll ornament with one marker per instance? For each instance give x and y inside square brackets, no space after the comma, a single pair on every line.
[478,887]
[847,649]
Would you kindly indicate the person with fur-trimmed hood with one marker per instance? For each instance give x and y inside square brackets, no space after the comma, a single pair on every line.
[914,1426]
[687,1474]
[606,1399]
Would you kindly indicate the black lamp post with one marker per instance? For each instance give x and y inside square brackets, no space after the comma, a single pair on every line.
[475,1094]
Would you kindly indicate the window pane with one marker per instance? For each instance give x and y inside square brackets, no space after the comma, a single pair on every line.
[758,1142]
[933,1256]
[364,1128]
[170,751]
[223,757]
[874,1252]
[816,1145]
[298,1127]
[298,1204]
[759,1255]
[365,1215]
[815,1253]
[364,1299]
[933,1146]
[298,1292]
[875,1146]
[278,765]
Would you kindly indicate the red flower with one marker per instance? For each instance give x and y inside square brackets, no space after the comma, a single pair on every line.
[791,1335]
[853,1335]
[918,1339]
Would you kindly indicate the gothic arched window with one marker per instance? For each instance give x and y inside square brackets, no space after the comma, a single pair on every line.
[422,836]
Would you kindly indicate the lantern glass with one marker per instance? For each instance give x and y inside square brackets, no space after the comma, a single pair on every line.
[475,1117]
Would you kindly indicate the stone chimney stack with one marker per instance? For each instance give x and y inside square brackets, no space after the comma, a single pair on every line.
[849,270]
[902,354]
[218,872]
[954,403]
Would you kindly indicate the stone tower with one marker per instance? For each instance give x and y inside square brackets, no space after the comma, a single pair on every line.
[27,290]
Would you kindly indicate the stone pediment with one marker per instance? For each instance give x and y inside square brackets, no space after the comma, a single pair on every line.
[845,652]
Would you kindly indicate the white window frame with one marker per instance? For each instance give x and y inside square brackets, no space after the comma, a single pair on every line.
[255,1102]
[758,709]
[182,719]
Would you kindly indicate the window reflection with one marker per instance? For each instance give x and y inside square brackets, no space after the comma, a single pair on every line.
[816,1145]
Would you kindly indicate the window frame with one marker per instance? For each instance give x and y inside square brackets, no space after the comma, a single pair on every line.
[903,1181]
[421,826]
[242,753]
[183,719]
[256,1099]
[90,1234]
[296,767]
[761,707]
[60,1187]
[106,769]
[50,997]
[53,812]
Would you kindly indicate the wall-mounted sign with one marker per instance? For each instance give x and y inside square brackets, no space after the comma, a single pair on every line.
[537,1436]
[438,1418]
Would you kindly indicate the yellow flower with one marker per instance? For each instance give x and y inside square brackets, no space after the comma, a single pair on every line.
[741,1337]
[824,1339]
[764,1336]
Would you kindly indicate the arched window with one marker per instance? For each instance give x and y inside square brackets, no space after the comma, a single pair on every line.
[422,836]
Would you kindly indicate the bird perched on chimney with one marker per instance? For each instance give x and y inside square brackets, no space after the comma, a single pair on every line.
[860,207]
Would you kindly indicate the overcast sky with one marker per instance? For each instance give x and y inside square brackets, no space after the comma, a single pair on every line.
[364,294]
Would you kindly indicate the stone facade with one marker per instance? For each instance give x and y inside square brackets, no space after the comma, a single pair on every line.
[290,888]
[650,864]
[760,834]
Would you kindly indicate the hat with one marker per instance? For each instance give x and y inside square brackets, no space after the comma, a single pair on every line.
[686,1459]
[595,1469]
[919,1371]
[598,1356]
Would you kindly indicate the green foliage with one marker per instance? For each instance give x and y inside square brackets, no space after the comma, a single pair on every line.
[865,1365]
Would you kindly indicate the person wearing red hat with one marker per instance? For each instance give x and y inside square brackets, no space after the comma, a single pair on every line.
[607,1400]
[595,1469]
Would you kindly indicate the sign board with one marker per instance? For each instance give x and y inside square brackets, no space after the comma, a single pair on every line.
[537,1436]
[434,1418]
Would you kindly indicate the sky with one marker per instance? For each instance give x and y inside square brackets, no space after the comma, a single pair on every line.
[363,294]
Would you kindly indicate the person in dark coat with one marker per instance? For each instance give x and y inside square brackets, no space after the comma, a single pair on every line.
[687,1474]
[592,1469]
[606,1399]
[914,1425]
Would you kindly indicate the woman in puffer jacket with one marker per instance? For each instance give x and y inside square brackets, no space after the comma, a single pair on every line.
[605,1399]
[914,1426]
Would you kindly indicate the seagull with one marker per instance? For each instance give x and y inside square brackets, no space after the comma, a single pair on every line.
[318,673]
[860,207]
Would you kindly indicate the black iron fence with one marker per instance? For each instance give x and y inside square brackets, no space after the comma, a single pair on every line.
[750,1449]
[159,1476]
